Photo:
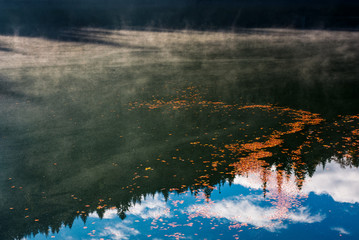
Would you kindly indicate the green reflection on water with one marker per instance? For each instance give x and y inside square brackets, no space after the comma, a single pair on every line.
[87,127]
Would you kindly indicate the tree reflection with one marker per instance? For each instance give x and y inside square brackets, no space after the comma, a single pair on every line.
[182,144]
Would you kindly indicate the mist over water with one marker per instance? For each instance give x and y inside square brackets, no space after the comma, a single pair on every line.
[109,132]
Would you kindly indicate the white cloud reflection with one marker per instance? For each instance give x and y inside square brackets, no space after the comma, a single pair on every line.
[119,231]
[271,213]
[340,230]
[340,183]
[248,210]
[151,208]
[250,181]
[155,207]
[334,180]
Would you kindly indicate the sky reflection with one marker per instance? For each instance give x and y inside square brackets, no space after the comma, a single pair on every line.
[329,180]
[231,211]
[180,135]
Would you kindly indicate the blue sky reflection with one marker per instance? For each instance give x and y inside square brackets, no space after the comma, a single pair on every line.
[236,211]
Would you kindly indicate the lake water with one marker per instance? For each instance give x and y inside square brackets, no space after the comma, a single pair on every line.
[180,135]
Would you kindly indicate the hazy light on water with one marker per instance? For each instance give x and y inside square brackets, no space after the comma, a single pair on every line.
[136,114]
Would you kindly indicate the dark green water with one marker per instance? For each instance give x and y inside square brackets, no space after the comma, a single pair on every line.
[180,135]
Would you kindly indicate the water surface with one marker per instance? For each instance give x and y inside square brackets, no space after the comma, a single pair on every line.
[180,135]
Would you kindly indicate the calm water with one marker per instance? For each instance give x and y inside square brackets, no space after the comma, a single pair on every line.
[182,135]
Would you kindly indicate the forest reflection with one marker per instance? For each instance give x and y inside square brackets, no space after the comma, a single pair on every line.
[100,124]
[268,147]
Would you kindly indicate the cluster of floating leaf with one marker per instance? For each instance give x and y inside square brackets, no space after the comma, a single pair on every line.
[250,158]
[278,162]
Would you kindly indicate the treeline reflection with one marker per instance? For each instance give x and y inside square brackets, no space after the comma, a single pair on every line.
[183,143]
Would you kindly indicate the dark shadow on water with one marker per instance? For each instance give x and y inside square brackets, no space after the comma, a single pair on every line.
[5,49]
[7,89]
[90,36]
[49,19]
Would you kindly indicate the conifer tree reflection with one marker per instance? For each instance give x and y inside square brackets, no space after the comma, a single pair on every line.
[265,137]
